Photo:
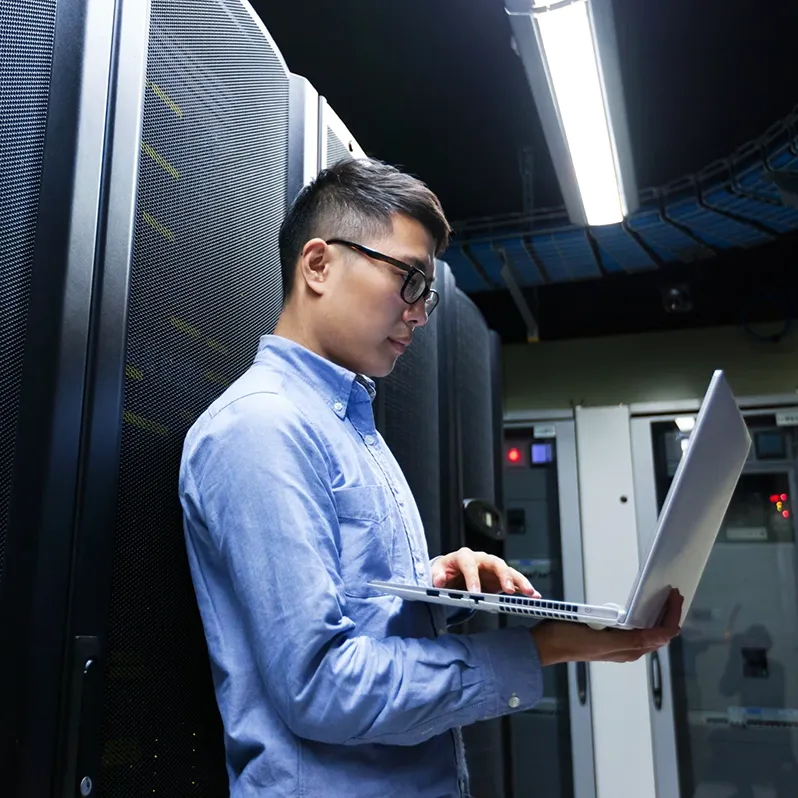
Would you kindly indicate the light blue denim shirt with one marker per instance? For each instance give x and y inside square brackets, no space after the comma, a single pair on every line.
[292,504]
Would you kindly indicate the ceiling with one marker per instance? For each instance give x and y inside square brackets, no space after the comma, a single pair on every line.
[435,87]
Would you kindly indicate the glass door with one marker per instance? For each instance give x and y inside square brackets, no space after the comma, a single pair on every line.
[732,718]
[551,748]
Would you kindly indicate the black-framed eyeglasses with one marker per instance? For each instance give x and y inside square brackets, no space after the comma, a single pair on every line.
[416,285]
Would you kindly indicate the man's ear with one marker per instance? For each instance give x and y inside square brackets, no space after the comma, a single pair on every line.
[314,265]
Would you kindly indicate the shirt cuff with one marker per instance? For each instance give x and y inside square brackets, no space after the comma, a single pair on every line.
[510,659]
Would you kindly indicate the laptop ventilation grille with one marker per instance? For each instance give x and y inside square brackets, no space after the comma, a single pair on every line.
[540,609]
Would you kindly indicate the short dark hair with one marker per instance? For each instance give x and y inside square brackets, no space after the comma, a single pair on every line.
[356,197]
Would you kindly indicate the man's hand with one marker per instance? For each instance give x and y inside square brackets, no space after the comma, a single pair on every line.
[477,571]
[564,641]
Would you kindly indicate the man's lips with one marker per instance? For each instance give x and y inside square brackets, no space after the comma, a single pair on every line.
[400,344]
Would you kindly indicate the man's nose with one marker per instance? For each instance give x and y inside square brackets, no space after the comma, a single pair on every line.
[416,313]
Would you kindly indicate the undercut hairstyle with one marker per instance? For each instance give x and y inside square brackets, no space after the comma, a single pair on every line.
[356,198]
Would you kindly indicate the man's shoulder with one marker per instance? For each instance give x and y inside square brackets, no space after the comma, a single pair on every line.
[250,421]
[257,387]
[258,401]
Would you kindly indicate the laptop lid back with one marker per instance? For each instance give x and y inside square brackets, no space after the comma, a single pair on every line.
[694,508]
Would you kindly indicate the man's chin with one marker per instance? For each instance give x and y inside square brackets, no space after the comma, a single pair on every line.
[384,369]
[381,373]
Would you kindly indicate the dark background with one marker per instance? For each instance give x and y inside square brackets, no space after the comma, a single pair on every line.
[435,87]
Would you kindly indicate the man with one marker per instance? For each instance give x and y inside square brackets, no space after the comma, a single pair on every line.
[293,504]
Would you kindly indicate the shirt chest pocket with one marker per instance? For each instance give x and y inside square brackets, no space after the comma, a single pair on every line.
[364,520]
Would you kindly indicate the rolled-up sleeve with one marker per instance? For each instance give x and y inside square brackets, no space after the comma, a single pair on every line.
[260,477]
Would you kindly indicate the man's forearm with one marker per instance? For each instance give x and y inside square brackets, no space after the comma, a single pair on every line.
[545,637]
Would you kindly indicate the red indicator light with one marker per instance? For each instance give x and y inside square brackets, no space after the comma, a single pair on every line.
[514,455]
[784,497]
[786,513]
[774,499]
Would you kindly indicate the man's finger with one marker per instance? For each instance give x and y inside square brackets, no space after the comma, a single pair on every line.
[673,610]
[503,572]
[467,563]
[438,579]
[523,584]
[508,578]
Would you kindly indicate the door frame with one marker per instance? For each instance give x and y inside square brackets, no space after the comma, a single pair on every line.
[560,425]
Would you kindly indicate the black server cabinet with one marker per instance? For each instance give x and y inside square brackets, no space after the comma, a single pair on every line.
[54,63]
[143,274]
[478,416]
[409,410]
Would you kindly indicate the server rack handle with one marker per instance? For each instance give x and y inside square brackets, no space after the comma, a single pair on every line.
[85,688]
[656,680]
[581,682]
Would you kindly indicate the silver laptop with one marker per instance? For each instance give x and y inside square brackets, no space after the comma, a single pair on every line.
[691,516]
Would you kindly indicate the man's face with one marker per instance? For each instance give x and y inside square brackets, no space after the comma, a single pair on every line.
[365,325]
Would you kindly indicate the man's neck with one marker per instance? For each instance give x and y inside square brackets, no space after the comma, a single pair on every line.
[291,327]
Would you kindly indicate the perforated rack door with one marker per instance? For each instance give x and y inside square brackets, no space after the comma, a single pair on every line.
[475,397]
[336,149]
[452,521]
[205,285]
[484,741]
[411,428]
[27,31]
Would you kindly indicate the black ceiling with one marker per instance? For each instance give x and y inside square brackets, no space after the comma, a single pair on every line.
[434,86]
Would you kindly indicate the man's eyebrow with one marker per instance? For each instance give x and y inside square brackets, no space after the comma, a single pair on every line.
[422,266]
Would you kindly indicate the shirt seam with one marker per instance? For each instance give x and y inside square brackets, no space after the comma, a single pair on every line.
[213,413]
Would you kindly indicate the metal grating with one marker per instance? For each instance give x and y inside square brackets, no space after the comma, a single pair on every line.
[468,278]
[474,396]
[448,427]
[336,149]
[490,260]
[410,426]
[484,740]
[27,32]
[732,204]
[205,285]
[521,260]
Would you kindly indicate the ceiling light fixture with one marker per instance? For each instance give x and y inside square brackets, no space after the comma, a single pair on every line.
[570,56]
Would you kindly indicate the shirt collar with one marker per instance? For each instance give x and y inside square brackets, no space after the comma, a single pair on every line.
[337,386]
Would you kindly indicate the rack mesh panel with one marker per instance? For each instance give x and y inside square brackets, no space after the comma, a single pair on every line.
[27,32]
[483,741]
[474,396]
[410,425]
[446,323]
[205,285]
[336,149]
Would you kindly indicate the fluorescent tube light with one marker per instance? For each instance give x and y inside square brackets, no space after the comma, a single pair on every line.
[570,56]
[574,73]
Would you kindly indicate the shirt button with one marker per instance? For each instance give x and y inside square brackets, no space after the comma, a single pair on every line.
[338,407]
[514,701]
[370,439]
